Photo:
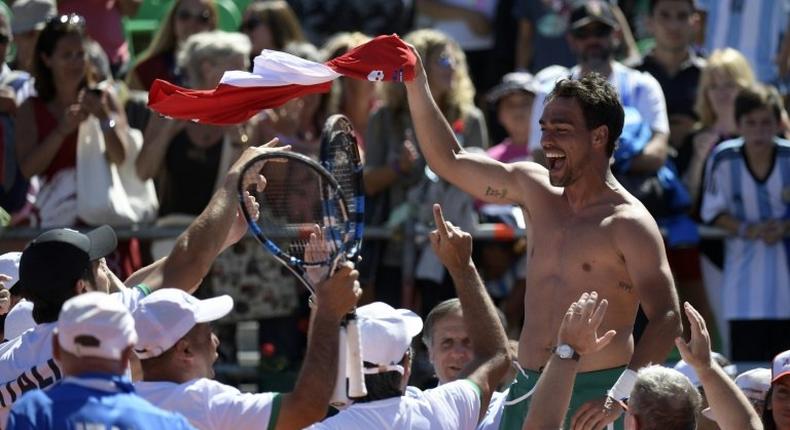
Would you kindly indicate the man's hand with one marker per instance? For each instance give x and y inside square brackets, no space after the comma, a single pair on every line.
[772,231]
[695,352]
[336,296]
[419,70]
[452,245]
[579,327]
[239,227]
[596,414]
[252,152]
[5,294]
[317,249]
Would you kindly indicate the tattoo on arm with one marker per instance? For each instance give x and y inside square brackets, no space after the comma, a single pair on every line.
[625,286]
[496,193]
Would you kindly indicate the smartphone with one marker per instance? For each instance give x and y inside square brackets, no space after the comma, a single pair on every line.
[96,91]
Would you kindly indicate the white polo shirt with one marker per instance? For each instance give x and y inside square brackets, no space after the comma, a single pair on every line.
[451,406]
[26,361]
[209,404]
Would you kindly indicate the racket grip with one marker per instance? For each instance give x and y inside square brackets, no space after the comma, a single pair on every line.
[339,397]
[356,376]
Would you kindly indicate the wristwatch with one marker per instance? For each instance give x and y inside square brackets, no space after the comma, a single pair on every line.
[565,352]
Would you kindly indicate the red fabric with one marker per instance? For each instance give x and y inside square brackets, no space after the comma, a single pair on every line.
[225,104]
[386,53]
[46,124]
[388,57]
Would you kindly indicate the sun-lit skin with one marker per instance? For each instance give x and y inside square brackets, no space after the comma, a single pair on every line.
[565,141]
[451,348]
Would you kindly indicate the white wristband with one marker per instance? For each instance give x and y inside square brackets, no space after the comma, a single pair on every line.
[622,388]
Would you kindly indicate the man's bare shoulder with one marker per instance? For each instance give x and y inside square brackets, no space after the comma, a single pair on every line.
[632,223]
[532,172]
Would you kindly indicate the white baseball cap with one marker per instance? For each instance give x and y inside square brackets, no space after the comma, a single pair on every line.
[9,266]
[19,319]
[95,325]
[681,366]
[754,383]
[385,335]
[167,315]
[781,366]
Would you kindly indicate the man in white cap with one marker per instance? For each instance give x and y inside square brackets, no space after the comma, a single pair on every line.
[62,263]
[93,341]
[177,350]
[386,336]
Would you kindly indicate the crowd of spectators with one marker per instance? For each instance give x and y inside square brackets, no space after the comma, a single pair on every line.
[703,85]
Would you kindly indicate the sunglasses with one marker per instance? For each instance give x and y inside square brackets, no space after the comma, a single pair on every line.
[588,31]
[202,17]
[446,61]
[67,20]
[250,24]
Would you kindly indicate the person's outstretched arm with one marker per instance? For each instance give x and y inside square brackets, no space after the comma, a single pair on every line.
[216,228]
[477,174]
[728,403]
[489,342]
[579,330]
[308,402]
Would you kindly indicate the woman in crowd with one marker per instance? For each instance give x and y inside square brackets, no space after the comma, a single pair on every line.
[270,25]
[726,73]
[184,19]
[393,166]
[187,158]
[67,95]
[352,97]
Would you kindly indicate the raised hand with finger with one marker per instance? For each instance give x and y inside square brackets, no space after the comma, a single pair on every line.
[452,245]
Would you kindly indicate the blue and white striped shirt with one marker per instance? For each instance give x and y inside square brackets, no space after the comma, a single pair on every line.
[756,275]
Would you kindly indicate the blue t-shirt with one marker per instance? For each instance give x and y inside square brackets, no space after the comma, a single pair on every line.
[91,401]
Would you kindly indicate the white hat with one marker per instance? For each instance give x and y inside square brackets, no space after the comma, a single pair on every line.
[19,319]
[167,315]
[9,266]
[754,383]
[31,14]
[684,368]
[95,325]
[385,335]
[781,366]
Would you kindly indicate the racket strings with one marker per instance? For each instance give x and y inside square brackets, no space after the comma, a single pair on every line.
[296,198]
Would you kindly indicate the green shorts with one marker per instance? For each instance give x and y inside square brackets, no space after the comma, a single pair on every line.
[588,386]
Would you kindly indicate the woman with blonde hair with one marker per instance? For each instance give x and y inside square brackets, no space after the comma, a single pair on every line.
[393,166]
[354,98]
[183,19]
[726,73]
[270,25]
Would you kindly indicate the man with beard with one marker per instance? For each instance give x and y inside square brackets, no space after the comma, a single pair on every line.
[586,231]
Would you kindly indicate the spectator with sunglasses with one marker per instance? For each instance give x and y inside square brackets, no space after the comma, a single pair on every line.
[103,23]
[185,18]
[270,25]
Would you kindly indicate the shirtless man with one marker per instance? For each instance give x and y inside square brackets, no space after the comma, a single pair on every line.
[585,231]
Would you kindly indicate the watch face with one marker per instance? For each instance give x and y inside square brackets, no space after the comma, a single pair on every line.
[565,351]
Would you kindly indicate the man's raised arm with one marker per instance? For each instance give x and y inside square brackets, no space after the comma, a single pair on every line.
[220,225]
[489,342]
[477,174]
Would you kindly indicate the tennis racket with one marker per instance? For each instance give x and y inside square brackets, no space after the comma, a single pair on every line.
[340,156]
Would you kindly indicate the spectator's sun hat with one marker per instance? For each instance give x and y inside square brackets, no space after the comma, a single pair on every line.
[385,335]
[165,316]
[511,83]
[31,15]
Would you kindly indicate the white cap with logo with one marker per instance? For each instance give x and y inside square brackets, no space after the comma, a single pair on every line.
[95,325]
[385,335]
[9,266]
[781,366]
[754,383]
[167,315]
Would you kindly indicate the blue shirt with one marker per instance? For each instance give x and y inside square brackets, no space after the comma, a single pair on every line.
[91,401]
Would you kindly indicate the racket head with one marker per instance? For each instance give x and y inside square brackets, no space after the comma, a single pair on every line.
[340,156]
[299,194]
